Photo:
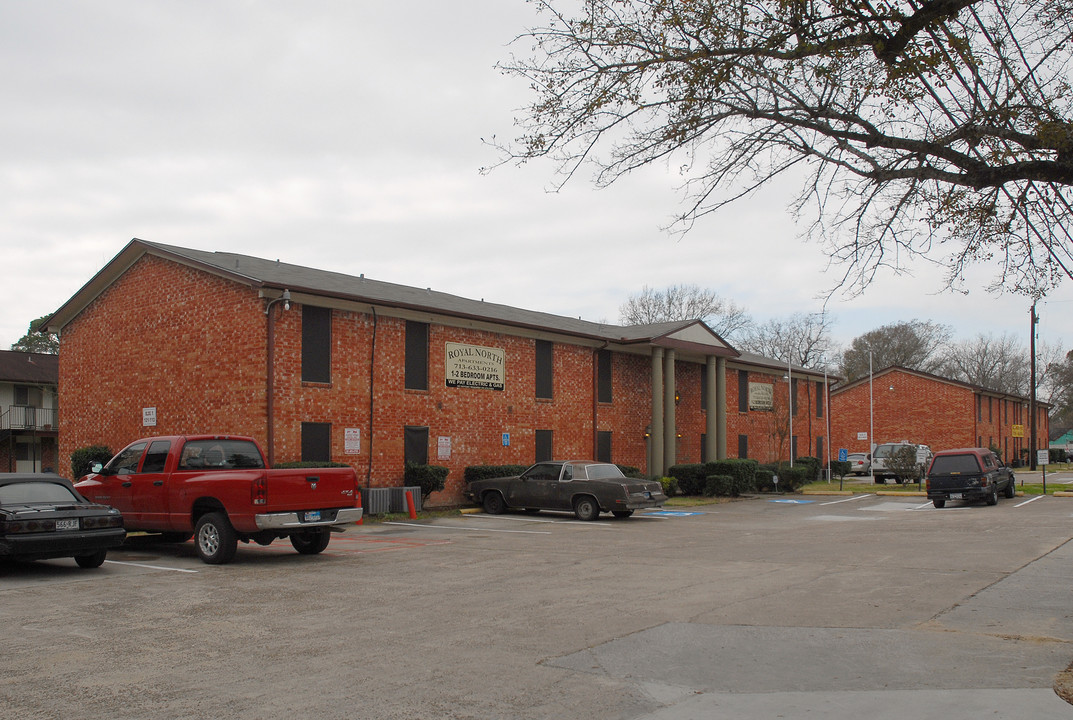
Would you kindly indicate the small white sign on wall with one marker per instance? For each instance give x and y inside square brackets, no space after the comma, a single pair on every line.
[352,441]
[443,448]
[149,417]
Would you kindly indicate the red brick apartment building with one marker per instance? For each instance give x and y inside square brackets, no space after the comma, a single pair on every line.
[318,365]
[940,413]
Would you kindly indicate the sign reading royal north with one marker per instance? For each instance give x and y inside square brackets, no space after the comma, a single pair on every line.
[473,366]
[761,396]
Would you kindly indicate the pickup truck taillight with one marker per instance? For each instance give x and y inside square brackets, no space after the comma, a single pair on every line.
[259,491]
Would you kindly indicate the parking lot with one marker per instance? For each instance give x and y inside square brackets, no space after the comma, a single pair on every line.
[826,606]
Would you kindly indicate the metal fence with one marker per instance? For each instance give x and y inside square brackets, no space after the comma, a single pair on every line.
[25,417]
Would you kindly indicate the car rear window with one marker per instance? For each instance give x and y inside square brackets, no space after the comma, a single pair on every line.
[28,493]
[949,464]
[220,454]
[604,472]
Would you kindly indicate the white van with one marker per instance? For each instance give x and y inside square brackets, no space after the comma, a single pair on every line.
[883,453]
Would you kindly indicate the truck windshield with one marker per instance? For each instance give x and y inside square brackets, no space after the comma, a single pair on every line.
[220,454]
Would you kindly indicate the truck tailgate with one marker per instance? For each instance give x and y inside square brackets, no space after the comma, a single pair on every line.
[310,489]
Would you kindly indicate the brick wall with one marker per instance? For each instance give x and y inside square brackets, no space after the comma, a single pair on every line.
[193,346]
[942,415]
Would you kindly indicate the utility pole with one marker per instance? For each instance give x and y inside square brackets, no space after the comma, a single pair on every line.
[1032,401]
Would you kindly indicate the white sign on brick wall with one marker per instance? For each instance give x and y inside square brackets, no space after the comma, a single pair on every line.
[352,441]
[149,417]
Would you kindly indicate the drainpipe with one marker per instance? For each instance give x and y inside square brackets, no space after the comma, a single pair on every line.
[372,400]
[270,372]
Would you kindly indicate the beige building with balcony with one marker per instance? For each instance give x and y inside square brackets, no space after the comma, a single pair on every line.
[29,427]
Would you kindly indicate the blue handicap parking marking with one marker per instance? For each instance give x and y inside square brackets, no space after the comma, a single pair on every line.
[673,513]
[793,502]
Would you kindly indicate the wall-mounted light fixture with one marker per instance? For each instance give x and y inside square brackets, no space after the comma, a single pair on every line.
[285,298]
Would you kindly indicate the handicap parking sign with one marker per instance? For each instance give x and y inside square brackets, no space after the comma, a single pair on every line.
[843,455]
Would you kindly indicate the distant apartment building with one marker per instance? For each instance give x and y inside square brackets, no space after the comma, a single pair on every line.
[896,404]
[29,426]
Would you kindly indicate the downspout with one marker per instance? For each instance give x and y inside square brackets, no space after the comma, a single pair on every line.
[372,401]
[596,397]
[270,372]
[270,386]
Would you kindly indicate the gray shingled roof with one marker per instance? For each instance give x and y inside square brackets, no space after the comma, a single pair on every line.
[296,278]
[29,368]
[278,276]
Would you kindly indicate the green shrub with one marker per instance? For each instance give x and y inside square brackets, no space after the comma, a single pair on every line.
[430,478]
[691,477]
[83,458]
[841,468]
[743,470]
[484,472]
[670,486]
[764,477]
[631,472]
[721,486]
[810,462]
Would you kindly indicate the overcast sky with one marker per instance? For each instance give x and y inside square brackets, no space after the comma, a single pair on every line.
[348,136]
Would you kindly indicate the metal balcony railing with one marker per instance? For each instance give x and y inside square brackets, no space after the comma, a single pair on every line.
[24,417]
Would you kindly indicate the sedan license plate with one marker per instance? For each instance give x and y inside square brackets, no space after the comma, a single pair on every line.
[70,524]
[312,516]
[956,496]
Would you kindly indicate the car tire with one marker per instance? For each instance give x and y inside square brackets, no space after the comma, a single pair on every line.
[586,508]
[1011,490]
[493,503]
[215,539]
[940,504]
[95,560]
[622,513]
[992,499]
[311,542]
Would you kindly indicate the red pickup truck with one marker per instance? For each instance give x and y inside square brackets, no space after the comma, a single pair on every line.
[218,489]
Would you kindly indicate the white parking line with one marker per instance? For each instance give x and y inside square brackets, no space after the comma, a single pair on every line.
[452,527]
[1030,500]
[849,499]
[151,567]
[546,520]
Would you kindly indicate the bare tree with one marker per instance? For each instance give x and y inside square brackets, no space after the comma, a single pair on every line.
[1061,374]
[803,339]
[685,302]
[992,363]
[915,344]
[926,128]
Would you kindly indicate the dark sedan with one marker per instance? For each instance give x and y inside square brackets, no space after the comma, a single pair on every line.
[583,486]
[42,516]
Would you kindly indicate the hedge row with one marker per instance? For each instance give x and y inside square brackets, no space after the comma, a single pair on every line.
[693,478]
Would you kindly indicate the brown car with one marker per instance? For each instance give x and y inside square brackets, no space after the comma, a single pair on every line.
[583,486]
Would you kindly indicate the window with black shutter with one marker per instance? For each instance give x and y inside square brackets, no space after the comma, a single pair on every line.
[316,344]
[316,442]
[416,355]
[544,369]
